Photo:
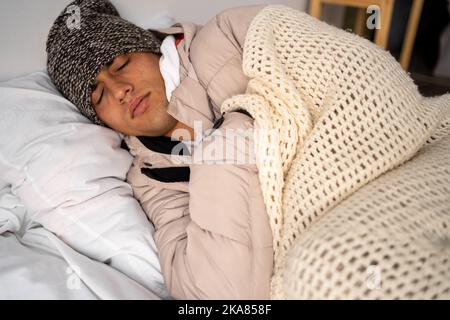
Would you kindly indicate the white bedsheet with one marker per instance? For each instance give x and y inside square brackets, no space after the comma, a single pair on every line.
[62,173]
[35,264]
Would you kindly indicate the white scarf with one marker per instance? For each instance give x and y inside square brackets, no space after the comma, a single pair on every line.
[169,65]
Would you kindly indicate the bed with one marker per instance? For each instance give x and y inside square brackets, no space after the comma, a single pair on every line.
[69,225]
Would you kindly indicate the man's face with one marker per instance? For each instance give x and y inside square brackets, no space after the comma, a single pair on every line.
[130,96]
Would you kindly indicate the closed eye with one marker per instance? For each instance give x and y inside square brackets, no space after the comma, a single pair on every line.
[100,99]
[118,69]
[123,65]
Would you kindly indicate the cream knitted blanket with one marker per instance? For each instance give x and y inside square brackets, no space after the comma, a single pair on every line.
[332,113]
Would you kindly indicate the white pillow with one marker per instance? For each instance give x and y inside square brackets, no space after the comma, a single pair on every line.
[70,175]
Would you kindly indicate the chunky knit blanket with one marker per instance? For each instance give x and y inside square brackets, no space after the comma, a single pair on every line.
[333,113]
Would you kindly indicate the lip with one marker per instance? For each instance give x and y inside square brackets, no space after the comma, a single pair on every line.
[138,106]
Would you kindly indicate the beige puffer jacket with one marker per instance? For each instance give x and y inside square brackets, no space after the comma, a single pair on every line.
[212,230]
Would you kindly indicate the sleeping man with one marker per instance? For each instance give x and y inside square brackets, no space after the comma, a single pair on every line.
[163,89]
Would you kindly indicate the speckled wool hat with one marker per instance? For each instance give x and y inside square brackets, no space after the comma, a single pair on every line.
[87,35]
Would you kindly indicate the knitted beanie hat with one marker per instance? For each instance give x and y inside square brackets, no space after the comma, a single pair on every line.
[86,36]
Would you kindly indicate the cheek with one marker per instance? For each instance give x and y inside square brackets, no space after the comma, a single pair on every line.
[102,113]
[110,114]
[159,101]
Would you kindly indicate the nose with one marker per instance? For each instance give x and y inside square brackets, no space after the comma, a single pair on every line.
[121,90]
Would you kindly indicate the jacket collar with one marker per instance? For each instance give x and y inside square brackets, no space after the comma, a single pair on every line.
[189,101]
[189,30]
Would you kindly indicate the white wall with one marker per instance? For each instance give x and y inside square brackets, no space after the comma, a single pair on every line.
[24,24]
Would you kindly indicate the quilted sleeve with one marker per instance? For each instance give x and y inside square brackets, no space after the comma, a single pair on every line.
[214,242]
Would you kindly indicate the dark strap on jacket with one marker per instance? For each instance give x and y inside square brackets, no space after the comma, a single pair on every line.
[165,145]
[124,145]
[219,121]
[169,174]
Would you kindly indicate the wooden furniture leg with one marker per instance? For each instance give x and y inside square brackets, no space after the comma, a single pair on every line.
[411,30]
[360,22]
[315,8]
[382,35]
